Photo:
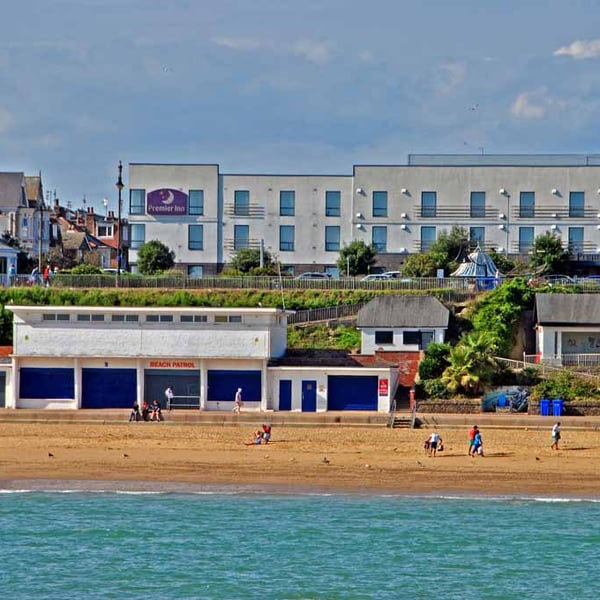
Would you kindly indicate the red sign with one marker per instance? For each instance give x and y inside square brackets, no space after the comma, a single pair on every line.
[172,364]
[383,387]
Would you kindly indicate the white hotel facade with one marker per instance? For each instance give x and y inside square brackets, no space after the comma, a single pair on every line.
[503,201]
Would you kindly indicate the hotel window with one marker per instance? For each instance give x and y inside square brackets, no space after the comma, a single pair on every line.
[428,204]
[332,239]
[241,237]
[193,318]
[527,205]
[575,240]
[428,236]
[477,205]
[196,202]
[384,337]
[137,202]
[379,240]
[332,204]
[380,204]
[286,238]
[195,237]
[525,239]
[241,203]
[287,203]
[577,204]
[476,237]
[138,235]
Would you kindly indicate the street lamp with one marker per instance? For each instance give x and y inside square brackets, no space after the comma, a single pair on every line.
[119,240]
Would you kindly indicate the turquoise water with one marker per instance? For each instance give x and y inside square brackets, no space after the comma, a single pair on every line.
[251,545]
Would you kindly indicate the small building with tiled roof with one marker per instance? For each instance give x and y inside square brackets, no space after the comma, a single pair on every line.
[402,323]
[568,328]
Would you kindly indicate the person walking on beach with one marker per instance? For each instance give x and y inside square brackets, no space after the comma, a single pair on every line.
[555,436]
[477,444]
[472,433]
[237,402]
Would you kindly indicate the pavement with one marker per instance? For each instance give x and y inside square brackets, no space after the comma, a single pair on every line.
[299,419]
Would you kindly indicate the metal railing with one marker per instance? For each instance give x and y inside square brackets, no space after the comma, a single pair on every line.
[183,402]
[324,314]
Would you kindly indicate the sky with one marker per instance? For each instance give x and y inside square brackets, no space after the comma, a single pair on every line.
[281,86]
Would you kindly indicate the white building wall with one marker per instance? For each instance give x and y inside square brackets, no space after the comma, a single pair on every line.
[368,345]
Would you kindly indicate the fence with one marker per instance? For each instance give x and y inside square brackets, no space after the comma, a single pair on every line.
[324,314]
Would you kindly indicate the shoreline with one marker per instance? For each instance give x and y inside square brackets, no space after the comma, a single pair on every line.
[318,459]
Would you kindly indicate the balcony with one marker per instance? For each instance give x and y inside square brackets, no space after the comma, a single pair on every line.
[253,211]
[551,213]
[229,244]
[455,211]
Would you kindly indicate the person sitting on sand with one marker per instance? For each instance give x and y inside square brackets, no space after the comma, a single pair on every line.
[257,439]
[156,411]
[145,411]
[266,433]
[135,412]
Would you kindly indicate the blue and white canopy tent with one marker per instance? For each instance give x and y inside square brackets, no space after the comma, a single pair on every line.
[480,266]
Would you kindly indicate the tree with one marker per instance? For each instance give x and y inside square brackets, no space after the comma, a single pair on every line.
[549,254]
[246,261]
[357,258]
[154,257]
[450,248]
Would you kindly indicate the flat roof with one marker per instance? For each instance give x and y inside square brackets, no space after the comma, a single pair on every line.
[147,309]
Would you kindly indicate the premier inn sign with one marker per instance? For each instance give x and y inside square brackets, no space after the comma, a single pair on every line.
[166,202]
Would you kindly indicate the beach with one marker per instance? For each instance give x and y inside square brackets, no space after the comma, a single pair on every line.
[350,459]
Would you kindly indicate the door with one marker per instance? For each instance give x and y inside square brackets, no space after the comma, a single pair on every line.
[2,389]
[222,385]
[426,339]
[47,383]
[352,392]
[285,394]
[309,396]
[108,388]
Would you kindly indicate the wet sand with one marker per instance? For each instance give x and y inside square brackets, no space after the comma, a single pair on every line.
[517,461]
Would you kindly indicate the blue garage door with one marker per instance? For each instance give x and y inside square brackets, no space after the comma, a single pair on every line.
[108,388]
[46,383]
[352,393]
[222,385]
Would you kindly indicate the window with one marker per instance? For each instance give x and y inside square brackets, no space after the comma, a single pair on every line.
[527,205]
[428,204]
[48,317]
[411,338]
[235,318]
[118,318]
[97,317]
[332,239]
[195,270]
[428,236]
[138,235]
[84,318]
[380,238]
[525,239]
[286,238]
[24,222]
[241,203]
[137,202]
[196,202]
[105,231]
[195,237]
[241,237]
[575,240]
[128,318]
[332,204]
[477,204]
[161,318]
[220,318]
[576,204]
[193,318]
[287,203]
[384,337]
[476,237]
[380,202]
[63,317]
[333,271]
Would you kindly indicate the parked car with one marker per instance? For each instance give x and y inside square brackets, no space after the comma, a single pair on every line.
[376,277]
[397,275]
[313,276]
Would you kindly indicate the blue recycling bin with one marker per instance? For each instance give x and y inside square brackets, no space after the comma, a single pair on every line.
[544,407]
[557,407]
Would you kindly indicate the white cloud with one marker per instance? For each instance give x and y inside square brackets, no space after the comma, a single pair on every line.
[242,44]
[449,76]
[580,49]
[524,107]
[366,56]
[6,120]
[311,50]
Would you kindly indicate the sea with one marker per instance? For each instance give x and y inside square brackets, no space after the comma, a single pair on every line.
[71,542]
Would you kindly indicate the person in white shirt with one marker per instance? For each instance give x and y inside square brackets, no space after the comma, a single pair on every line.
[555,436]
[237,403]
[434,443]
[169,396]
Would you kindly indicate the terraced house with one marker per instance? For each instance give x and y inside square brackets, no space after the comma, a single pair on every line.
[503,201]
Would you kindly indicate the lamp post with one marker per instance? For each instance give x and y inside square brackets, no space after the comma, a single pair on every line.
[119,239]
[507,220]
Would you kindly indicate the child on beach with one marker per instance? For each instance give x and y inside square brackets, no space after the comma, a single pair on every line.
[555,436]
[257,439]
[266,434]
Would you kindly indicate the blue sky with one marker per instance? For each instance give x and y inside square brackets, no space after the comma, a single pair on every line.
[281,86]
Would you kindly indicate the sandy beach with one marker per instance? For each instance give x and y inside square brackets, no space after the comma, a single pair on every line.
[344,459]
